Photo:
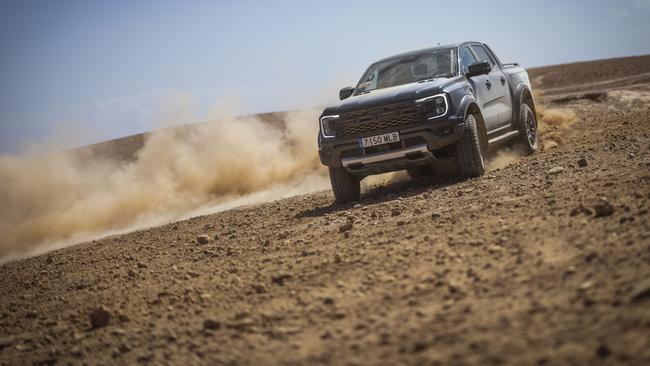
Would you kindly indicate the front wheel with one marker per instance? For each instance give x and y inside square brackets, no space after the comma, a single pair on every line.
[527,128]
[468,149]
[346,187]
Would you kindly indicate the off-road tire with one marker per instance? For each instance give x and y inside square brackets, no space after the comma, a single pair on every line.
[468,149]
[527,138]
[346,187]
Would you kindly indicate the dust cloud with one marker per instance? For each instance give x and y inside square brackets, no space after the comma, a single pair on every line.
[552,125]
[55,199]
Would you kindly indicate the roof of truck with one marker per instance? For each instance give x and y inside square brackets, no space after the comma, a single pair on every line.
[425,50]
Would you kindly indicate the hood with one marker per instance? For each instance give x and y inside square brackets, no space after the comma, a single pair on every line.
[393,94]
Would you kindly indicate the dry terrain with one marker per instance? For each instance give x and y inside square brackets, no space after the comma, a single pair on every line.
[545,260]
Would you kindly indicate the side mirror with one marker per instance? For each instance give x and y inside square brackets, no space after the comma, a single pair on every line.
[346,92]
[479,68]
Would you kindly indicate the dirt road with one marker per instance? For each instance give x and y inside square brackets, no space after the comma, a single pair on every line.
[545,261]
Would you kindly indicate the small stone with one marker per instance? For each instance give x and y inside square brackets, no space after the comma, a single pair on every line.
[586,285]
[211,324]
[603,351]
[603,208]
[345,227]
[582,162]
[435,215]
[280,278]
[7,341]
[100,317]
[203,239]
[395,212]
[641,291]
[259,288]
[338,258]
[555,170]
[495,249]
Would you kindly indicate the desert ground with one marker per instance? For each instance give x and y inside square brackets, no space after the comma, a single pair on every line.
[545,260]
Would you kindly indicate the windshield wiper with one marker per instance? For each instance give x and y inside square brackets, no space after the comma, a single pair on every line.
[425,80]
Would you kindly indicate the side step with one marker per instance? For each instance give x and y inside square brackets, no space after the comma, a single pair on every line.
[504,137]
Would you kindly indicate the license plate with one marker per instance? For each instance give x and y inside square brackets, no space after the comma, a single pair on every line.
[386,138]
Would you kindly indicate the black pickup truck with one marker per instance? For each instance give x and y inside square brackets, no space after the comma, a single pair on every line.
[423,109]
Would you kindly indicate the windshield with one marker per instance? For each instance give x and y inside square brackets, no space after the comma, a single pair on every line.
[409,69]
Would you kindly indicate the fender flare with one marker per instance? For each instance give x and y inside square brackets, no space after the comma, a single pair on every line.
[522,88]
[466,102]
[464,105]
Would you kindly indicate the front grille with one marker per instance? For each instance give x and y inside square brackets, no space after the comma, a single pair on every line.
[378,118]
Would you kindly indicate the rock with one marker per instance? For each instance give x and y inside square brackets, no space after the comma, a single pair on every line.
[641,291]
[100,317]
[211,324]
[203,239]
[603,351]
[395,212]
[338,258]
[581,210]
[259,288]
[582,162]
[603,208]
[7,341]
[555,170]
[345,227]
[495,249]
[279,279]
[435,215]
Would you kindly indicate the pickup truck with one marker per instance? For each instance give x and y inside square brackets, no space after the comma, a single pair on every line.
[417,111]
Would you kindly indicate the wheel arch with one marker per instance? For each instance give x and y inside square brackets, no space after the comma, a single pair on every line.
[469,105]
[524,95]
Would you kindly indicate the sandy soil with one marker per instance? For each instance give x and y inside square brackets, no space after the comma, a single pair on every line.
[544,261]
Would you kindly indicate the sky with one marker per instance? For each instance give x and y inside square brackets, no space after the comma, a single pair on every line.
[78,72]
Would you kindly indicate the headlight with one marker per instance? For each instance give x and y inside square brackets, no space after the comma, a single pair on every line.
[327,125]
[435,106]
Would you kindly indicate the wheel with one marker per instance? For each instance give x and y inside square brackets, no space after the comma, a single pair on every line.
[468,149]
[419,171]
[527,128]
[346,187]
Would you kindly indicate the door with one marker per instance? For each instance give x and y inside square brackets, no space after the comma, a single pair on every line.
[483,88]
[499,86]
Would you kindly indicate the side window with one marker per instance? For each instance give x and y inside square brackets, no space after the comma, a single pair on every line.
[483,55]
[466,58]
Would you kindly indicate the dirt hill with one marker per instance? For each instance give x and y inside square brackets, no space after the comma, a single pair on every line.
[545,260]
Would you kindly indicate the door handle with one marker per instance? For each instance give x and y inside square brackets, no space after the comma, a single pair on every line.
[503,81]
[488,84]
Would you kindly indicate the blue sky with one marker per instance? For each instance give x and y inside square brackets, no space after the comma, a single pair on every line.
[76,72]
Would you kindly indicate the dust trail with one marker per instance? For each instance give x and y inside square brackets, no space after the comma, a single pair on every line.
[65,197]
[503,158]
[553,123]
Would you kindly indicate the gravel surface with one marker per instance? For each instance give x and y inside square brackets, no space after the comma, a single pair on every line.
[544,261]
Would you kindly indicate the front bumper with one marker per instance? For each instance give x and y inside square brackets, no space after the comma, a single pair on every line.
[417,146]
